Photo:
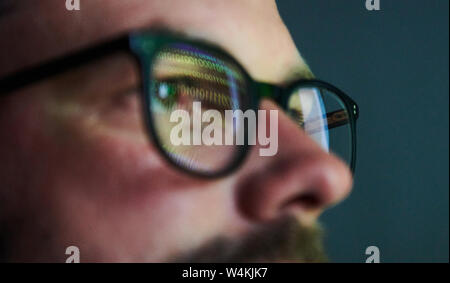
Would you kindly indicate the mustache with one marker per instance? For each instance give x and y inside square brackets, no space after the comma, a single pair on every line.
[282,240]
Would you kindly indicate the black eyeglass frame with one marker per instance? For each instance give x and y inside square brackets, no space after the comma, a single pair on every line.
[143,46]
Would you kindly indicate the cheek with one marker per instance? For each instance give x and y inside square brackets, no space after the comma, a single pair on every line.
[100,188]
[130,196]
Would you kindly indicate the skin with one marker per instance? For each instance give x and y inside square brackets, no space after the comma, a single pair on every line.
[77,167]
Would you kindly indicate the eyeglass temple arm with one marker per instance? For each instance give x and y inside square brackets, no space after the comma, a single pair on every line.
[334,119]
[337,118]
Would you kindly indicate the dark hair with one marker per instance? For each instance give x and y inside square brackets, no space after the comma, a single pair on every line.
[6,6]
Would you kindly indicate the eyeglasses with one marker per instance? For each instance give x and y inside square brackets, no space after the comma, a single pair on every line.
[177,71]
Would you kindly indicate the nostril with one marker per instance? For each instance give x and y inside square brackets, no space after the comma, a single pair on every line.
[305,201]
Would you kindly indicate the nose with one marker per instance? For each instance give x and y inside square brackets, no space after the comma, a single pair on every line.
[300,178]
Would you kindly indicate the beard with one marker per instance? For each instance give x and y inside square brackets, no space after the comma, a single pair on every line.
[283,240]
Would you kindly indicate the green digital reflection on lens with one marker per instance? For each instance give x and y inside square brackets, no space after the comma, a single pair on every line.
[182,76]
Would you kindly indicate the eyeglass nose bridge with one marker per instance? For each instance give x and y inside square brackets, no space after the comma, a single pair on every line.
[269,91]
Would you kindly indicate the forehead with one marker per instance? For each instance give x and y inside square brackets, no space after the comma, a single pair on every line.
[252,31]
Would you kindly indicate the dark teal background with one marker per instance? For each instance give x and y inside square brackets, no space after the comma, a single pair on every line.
[395,64]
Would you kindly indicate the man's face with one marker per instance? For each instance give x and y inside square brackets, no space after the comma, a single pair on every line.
[78,168]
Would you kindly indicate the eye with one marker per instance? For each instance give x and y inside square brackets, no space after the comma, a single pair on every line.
[166,93]
[181,91]
[165,90]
